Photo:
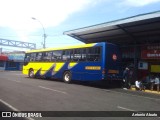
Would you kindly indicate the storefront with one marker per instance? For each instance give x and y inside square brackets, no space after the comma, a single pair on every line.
[138,38]
[150,60]
[15,61]
[3,60]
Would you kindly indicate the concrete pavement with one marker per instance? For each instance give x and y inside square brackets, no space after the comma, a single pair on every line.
[27,94]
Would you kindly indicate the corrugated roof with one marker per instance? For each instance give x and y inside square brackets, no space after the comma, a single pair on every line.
[143,28]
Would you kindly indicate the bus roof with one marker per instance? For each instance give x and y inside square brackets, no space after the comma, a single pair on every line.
[63,48]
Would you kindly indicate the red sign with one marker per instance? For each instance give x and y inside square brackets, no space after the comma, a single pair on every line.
[150,54]
[3,57]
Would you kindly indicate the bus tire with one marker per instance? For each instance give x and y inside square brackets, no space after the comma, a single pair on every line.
[31,73]
[67,77]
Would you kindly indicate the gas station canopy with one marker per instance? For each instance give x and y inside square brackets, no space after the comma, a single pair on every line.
[140,29]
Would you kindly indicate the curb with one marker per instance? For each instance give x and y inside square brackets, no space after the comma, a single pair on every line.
[147,91]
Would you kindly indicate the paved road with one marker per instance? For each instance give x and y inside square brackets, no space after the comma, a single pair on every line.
[20,93]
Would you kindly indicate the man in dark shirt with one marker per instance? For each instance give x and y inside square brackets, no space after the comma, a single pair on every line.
[125,78]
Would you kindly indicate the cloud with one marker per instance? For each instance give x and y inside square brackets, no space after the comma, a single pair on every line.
[139,3]
[17,14]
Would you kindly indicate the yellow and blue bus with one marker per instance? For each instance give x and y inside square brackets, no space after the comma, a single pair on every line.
[88,62]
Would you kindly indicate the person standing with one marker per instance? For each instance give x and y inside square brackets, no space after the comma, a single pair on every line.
[157,82]
[126,78]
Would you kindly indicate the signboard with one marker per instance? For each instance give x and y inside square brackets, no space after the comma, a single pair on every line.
[155,68]
[151,47]
[93,67]
[143,65]
[150,54]
[3,57]
[16,56]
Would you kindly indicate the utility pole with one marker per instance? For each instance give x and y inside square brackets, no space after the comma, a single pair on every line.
[0,51]
[44,34]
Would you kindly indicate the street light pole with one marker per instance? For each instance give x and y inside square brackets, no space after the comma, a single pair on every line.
[44,34]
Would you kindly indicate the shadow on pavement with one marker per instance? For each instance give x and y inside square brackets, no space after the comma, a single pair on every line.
[104,85]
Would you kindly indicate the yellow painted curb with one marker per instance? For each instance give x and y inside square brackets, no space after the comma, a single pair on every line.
[148,91]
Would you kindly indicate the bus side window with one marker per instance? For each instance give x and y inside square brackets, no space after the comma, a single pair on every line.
[84,54]
[33,57]
[57,55]
[47,56]
[54,56]
[27,58]
[39,57]
[66,55]
[90,54]
[97,54]
[94,54]
[72,55]
[77,55]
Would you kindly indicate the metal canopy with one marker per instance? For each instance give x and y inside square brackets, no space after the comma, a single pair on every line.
[140,29]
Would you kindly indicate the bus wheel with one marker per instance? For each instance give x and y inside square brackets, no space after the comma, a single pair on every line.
[67,77]
[31,73]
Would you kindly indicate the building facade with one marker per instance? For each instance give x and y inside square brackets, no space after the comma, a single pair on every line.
[12,60]
[3,60]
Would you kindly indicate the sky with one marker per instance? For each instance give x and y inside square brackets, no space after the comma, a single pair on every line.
[57,16]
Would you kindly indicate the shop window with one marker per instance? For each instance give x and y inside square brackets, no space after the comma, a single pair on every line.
[2,64]
[12,65]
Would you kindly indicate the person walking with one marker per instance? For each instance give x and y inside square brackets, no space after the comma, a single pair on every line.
[126,78]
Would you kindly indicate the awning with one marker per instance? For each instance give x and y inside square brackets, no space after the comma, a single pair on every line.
[3,57]
[140,29]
